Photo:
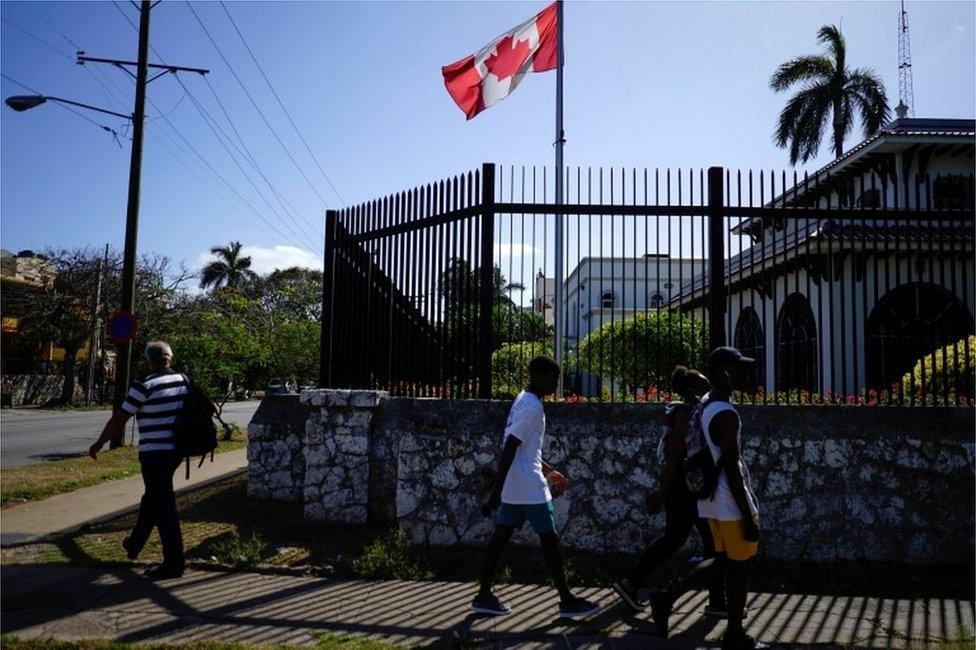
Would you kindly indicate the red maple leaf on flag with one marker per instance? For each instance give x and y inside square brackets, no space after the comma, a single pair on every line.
[508,58]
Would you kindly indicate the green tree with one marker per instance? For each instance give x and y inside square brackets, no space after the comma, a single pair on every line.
[293,294]
[230,269]
[642,351]
[510,366]
[295,352]
[830,88]
[62,314]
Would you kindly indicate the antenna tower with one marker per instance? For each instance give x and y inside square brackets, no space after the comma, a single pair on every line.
[906,93]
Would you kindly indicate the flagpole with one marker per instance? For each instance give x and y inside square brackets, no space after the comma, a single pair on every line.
[558,318]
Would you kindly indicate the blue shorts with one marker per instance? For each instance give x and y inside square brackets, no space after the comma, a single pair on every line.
[542,516]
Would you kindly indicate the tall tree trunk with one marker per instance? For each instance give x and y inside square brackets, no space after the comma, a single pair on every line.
[68,370]
[838,129]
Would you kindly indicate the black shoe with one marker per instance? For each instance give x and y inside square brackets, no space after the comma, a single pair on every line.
[741,641]
[130,553]
[163,572]
[577,608]
[489,605]
[661,607]
[629,597]
[721,610]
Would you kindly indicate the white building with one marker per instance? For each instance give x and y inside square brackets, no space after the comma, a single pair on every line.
[829,304]
[606,289]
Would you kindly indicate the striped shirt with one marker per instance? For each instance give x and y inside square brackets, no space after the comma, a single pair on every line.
[156,401]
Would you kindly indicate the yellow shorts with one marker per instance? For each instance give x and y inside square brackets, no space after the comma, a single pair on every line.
[729,539]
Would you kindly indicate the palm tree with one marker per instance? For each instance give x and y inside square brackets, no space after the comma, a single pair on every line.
[230,269]
[829,87]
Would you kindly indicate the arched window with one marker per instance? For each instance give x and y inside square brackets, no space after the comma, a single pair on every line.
[607,300]
[657,301]
[750,341]
[796,345]
[907,323]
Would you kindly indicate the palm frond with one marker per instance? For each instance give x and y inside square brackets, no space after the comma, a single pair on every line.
[834,39]
[213,275]
[802,68]
[868,93]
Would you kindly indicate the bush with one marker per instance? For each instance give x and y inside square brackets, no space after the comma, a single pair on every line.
[510,366]
[239,552]
[947,371]
[389,557]
[642,351]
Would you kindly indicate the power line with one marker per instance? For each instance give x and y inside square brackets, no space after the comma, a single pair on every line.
[213,127]
[54,27]
[40,40]
[197,153]
[254,103]
[286,204]
[115,134]
[280,103]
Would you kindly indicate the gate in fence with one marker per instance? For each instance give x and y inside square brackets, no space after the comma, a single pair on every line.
[853,287]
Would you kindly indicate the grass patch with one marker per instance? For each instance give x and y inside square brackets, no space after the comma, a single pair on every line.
[240,553]
[323,641]
[390,557]
[40,480]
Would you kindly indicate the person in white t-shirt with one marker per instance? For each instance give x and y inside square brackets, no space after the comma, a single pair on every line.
[732,511]
[521,492]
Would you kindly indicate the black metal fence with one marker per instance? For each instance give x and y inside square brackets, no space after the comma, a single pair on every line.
[853,287]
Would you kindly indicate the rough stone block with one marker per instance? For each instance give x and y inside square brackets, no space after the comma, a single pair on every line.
[366,398]
[444,476]
[351,444]
[337,398]
[408,497]
[442,536]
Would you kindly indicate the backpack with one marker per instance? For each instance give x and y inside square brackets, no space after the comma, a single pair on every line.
[701,470]
[666,431]
[194,428]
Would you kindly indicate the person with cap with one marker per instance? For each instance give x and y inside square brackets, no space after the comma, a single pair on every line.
[732,511]
[155,401]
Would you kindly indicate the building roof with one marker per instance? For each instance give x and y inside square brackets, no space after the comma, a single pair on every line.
[954,236]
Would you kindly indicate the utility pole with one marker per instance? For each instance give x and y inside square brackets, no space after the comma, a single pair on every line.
[102,337]
[128,302]
[93,341]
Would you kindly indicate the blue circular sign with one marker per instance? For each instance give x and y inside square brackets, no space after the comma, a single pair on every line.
[122,327]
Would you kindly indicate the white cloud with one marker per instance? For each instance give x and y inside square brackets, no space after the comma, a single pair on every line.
[959,28]
[266,260]
[517,250]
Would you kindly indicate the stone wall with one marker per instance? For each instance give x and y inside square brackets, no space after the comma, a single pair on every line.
[276,449]
[337,444]
[30,390]
[883,484]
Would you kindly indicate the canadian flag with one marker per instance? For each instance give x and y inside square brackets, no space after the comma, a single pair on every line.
[493,72]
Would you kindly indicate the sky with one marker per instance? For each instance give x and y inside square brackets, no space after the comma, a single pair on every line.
[657,84]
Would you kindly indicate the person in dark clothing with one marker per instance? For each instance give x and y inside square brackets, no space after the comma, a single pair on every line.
[732,510]
[681,508]
[155,401]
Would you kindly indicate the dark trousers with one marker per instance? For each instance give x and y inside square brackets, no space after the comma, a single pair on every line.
[158,507]
[681,515]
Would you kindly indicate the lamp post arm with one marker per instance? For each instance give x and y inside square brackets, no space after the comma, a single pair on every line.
[89,107]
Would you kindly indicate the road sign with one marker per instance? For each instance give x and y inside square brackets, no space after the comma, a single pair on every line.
[122,327]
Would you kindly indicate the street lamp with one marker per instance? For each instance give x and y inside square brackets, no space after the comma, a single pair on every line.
[21,103]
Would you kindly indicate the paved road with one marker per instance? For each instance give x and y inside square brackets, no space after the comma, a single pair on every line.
[33,435]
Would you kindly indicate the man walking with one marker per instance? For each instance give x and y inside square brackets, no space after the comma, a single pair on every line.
[521,492]
[155,401]
[732,512]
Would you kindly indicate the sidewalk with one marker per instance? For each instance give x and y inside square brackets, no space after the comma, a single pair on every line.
[67,602]
[67,512]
